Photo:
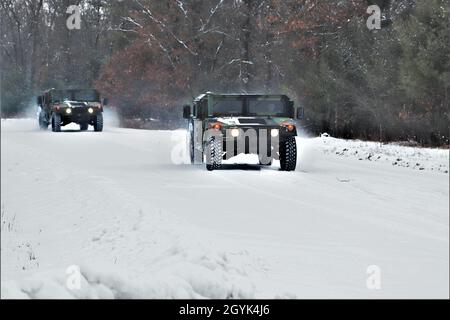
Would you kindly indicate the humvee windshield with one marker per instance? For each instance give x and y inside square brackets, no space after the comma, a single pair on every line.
[75,95]
[253,107]
[228,107]
[267,108]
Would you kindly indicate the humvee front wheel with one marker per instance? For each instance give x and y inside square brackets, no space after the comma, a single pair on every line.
[98,122]
[214,154]
[191,147]
[43,124]
[288,154]
[56,122]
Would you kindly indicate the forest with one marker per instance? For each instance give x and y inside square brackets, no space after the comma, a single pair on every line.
[150,57]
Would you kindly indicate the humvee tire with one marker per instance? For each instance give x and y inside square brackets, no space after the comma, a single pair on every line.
[195,156]
[84,126]
[288,154]
[191,147]
[56,122]
[98,122]
[214,153]
[43,123]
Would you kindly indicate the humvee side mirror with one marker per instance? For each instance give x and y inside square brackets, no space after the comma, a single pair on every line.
[186,111]
[105,101]
[39,101]
[300,113]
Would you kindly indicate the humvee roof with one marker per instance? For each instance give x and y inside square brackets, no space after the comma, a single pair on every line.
[236,95]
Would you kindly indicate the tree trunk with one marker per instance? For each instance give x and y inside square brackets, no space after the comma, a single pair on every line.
[246,45]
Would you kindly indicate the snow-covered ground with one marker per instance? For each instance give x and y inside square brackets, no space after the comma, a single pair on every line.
[122,208]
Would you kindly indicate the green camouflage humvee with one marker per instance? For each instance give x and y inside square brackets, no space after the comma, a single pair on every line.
[222,126]
[61,107]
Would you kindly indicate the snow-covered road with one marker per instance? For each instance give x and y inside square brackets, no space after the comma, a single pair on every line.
[139,224]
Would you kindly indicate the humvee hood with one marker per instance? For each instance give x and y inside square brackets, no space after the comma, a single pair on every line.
[250,121]
[74,104]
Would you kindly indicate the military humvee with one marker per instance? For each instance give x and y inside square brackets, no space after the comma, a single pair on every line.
[222,126]
[61,107]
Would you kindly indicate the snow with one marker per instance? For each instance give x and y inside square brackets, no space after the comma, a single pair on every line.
[415,158]
[125,208]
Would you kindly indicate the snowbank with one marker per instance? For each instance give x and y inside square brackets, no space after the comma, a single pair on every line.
[415,158]
[180,277]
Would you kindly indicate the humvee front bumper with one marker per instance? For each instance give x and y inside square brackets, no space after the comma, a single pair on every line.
[261,140]
[79,115]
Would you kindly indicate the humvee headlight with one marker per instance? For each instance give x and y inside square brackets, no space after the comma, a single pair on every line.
[274,133]
[68,111]
[235,133]
[90,110]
